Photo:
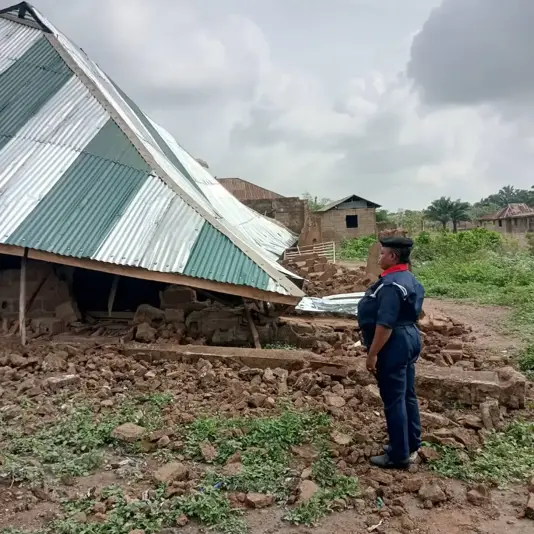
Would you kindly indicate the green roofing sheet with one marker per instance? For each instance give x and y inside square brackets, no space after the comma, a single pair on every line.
[27,85]
[215,257]
[76,216]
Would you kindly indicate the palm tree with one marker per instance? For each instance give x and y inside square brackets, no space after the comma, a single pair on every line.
[459,212]
[440,211]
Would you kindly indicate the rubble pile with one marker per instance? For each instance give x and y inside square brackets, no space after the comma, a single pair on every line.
[324,278]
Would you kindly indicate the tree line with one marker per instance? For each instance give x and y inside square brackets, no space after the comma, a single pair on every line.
[444,212]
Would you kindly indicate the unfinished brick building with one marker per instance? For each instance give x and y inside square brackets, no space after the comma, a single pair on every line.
[348,218]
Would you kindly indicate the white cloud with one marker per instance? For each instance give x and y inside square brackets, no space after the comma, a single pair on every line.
[301,99]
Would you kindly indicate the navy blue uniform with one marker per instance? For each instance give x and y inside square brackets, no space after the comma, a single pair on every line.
[395,301]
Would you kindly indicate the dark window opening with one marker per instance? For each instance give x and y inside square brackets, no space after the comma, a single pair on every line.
[500,222]
[351,221]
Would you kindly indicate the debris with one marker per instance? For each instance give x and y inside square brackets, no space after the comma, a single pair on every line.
[340,438]
[144,333]
[168,473]
[373,528]
[128,432]
[490,414]
[428,454]
[479,496]
[430,491]
[529,510]
[147,314]
[307,489]
[334,400]
[208,452]
[54,383]
[259,500]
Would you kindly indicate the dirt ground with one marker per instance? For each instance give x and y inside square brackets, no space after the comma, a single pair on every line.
[385,507]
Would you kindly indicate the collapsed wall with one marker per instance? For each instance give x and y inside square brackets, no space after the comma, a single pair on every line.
[326,278]
[48,297]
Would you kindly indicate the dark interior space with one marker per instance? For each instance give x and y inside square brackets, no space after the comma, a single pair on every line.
[9,262]
[92,290]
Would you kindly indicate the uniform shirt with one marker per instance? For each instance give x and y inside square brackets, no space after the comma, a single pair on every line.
[395,300]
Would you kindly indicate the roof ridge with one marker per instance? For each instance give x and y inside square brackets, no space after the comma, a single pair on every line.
[19,13]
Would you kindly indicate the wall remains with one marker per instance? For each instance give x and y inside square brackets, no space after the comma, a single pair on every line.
[52,307]
[334,224]
[289,211]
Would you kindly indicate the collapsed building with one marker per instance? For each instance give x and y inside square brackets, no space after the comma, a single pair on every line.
[103,211]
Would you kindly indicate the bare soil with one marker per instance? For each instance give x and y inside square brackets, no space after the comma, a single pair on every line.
[385,507]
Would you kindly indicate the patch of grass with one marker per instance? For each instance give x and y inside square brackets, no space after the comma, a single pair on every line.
[266,454]
[357,249]
[506,457]
[265,446]
[526,361]
[210,508]
[495,278]
[74,444]
[276,434]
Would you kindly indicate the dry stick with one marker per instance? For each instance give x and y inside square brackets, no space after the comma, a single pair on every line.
[22,297]
[252,326]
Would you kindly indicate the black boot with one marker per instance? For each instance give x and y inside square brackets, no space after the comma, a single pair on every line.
[413,455]
[385,462]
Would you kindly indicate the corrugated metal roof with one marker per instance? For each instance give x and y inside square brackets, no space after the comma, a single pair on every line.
[124,193]
[14,41]
[511,211]
[243,190]
[332,205]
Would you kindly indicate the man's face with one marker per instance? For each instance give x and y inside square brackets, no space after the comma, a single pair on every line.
[387,258]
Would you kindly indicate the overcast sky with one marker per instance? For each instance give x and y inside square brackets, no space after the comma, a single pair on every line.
[399,101]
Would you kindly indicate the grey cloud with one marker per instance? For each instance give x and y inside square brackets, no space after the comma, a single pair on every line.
[475,51]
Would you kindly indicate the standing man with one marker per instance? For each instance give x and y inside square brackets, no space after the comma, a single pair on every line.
[387,316]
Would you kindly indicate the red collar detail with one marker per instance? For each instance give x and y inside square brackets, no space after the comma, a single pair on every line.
[396,269]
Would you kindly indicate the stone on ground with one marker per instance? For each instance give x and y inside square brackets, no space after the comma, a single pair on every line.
[307,489]
[430,491]
[171,472]
[259,500]
[128,432]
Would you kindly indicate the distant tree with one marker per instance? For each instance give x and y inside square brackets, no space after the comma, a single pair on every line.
[479,210]
[383,216]
[509,195]
[315,203]
[440,210]
[410,220]
[459,212]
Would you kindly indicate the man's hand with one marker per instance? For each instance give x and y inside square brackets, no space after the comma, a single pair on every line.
[371,362]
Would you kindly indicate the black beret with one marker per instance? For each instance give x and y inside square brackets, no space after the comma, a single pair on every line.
[397,242]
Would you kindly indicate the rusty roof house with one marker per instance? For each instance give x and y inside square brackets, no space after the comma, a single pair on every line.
[512,219]
[88,180]
[292,212]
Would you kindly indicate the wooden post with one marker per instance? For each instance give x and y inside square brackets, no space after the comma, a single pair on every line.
[113,293]
[22,297]
[253,329]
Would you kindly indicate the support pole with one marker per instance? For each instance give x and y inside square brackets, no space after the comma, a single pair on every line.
[113,293]
[253,329]
[22,297]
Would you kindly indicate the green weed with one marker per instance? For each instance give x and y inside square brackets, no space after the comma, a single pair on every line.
[74,444]
[507,456]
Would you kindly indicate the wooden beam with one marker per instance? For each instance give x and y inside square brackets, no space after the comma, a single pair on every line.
[253,329]
[145,274]
[22,298]
[37,289]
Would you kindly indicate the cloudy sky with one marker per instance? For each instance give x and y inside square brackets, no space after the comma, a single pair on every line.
[399,101]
